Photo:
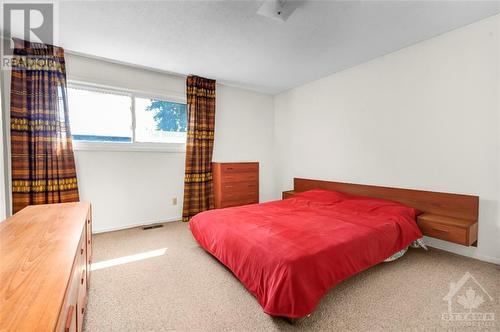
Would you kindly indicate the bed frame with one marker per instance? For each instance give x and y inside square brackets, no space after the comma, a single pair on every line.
[449,217]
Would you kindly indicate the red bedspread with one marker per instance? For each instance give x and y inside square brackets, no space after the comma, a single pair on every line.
[289,253]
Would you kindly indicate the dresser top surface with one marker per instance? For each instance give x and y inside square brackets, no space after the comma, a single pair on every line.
[37,250]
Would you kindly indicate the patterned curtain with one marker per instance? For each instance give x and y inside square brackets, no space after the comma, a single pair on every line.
[43,166]
[198,185]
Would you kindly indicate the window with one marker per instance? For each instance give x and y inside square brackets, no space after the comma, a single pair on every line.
[100,117]
[160,121]
[109,116]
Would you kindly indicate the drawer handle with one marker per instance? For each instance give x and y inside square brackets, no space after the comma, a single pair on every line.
[69,318]
[83,310]
[81,251]
[88,221]
[440,230]
[83,277]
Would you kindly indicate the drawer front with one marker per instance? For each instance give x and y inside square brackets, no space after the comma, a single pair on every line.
[89,238]
[67,318]
[82,251]
[444,232]
[240,177]
[70,322]
[89,249]
[82,297]
[81,272]
[240,194]
[238,202]
[240,187]
[239,168]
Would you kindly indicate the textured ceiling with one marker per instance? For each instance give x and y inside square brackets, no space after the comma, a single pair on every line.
[228,41]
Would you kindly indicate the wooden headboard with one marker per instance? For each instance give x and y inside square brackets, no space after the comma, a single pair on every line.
[444,204]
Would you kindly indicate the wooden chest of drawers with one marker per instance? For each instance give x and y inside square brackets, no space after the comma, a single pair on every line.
[45,253]
[235,184]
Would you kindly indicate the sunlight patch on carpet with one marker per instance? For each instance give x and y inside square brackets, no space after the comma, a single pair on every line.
[127,259]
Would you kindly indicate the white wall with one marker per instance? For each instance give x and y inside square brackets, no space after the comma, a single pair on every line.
[131,188]
[244,131]
[424,117]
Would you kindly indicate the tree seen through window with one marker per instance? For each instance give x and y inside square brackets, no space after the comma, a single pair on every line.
[169,116]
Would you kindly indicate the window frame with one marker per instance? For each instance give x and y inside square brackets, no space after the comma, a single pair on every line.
[134,145]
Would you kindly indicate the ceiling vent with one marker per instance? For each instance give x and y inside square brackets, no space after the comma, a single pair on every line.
[279,10]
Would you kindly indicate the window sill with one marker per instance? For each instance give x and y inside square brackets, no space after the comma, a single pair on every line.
[129,147]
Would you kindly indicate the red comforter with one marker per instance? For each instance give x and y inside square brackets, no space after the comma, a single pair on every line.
[289,253]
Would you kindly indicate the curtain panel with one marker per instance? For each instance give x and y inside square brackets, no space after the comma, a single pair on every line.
[198,185]
[43,165]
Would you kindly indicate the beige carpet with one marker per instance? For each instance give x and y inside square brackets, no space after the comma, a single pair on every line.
[186,289]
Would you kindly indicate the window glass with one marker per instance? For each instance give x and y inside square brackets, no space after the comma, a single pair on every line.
[100,116]
[160,121]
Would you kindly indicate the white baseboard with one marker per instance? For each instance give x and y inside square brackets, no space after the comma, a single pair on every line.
[144,223]
[461,250]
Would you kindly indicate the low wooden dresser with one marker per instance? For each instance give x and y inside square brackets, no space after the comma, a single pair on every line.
[45,255]
[235,184]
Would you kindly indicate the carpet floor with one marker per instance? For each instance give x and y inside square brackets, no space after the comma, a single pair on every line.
[161,280]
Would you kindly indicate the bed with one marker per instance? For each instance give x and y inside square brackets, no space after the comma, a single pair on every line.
[289,253]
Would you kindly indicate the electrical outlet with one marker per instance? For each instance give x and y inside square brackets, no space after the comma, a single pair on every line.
[174,201]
